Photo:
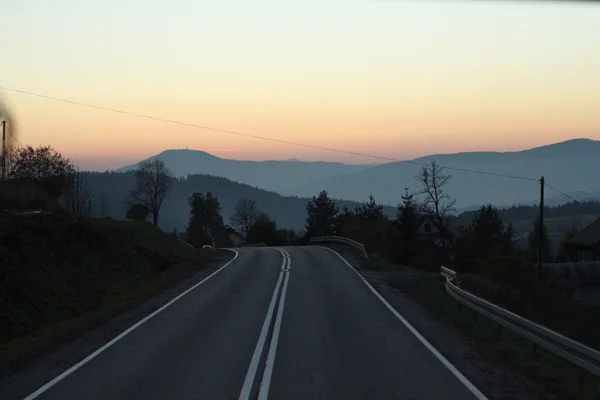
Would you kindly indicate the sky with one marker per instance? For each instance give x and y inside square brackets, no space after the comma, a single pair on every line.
[398,79]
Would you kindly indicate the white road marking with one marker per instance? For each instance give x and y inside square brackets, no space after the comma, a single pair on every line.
[253,368]
[122,335]
[263,393]
[476,392]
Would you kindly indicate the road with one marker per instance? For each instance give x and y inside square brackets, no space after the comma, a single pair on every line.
[289,323]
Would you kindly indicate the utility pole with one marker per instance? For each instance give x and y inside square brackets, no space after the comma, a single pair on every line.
[541,227]
[3,150]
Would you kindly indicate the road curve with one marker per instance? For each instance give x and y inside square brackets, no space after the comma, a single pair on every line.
[290,323]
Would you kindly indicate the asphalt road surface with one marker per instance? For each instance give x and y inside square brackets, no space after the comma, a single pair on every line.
[289,323]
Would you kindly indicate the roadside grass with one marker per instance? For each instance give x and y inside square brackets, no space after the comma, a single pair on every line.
[62,275]
[550,371]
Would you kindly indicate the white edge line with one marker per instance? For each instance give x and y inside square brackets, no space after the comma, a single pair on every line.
[463,379]
[260,344]
[263,393]
[100,350]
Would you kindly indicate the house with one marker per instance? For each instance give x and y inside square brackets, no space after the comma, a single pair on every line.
[585,246]
[236,239]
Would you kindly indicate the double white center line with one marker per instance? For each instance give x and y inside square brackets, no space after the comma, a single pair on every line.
[284,275]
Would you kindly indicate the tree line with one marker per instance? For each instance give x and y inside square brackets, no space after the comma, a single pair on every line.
[426,233]
[424,230]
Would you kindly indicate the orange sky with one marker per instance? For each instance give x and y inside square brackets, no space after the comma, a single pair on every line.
[395,79]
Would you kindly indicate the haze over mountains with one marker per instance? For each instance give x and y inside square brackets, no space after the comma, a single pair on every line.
[572,167]
[284,177]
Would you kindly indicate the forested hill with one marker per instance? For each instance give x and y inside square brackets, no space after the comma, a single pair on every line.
[109,191]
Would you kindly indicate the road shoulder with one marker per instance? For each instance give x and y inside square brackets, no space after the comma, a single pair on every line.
[495,378]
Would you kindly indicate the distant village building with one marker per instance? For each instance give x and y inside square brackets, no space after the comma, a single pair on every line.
[585,246]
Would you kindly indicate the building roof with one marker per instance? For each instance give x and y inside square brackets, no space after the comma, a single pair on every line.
[589,236]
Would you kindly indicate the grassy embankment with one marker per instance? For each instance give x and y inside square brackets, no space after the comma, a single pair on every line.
[61,275]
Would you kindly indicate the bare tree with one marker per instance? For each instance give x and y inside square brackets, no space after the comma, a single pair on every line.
[77,197]
[104,206]
[153,181]
[244,215]
[437,204]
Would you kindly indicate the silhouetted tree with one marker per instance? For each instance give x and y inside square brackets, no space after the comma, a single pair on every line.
[369,211]
[206,221]
[137,212]
[437,204]
[263,230]
[152,184]
[244,215]
[322,216]
[486,237]
[409,224]
[344,217]
[43,166]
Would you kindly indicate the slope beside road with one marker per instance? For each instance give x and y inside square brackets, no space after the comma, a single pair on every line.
[291,323]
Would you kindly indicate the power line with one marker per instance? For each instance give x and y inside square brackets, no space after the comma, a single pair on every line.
[594,212]
[263,137]
[15,138]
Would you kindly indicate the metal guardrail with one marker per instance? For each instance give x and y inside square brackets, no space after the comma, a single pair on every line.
[584,357]
[341,239]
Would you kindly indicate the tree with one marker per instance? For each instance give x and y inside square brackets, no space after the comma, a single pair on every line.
[484,239]
[137,212]
[489,232]
[152,184]
[534,241]
[244,215]
[76,197]
[370,210]
[437,204]
[322,216]
[344,217]
[43,166]
[263,230]
[409,223]
[206,221]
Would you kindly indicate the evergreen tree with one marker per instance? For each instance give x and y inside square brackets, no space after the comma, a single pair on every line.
[206,221]
[344,217]
[322,216]
[488,230]
[370,210]
[409,223]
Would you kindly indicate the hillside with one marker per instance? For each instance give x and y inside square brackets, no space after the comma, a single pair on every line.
[571,166]
[288,211]
[280,176]
[59,274]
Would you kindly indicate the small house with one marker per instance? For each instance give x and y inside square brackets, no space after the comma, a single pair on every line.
[585,246]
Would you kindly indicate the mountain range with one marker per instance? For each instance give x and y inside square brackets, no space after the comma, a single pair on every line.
[571,167]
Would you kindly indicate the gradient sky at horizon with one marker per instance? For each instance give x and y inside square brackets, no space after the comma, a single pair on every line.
[397,79]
